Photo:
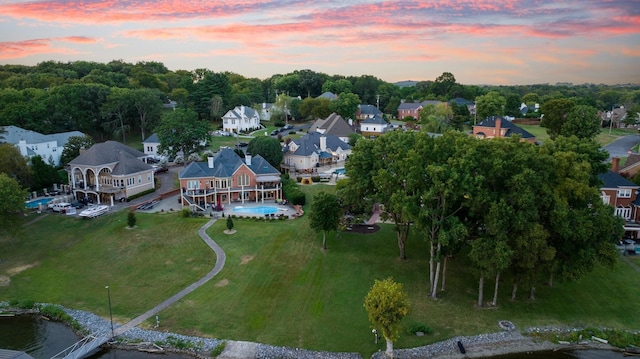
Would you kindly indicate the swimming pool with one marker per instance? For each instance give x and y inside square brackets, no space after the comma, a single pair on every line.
[340,171]
[256,210]
[35,203]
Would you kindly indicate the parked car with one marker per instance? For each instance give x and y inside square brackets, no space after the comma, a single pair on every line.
[60,207]
[77,204]
[274,132]
[160,169]
[242,144]
[287,127]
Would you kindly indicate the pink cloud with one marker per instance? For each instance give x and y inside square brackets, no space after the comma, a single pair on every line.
[20,49]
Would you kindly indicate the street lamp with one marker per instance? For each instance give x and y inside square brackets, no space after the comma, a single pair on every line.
[110,312]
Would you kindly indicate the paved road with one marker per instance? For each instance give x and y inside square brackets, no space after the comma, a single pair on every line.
[622,146]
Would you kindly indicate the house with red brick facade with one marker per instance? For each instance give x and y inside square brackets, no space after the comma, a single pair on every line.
[497,127]
[622,195]
[412,109]
[226,178]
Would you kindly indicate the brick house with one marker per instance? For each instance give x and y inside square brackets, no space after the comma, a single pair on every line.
[496,127]
[622,195]
[413,109]
[226,178]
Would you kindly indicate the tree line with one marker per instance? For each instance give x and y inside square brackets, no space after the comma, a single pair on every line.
[108,100]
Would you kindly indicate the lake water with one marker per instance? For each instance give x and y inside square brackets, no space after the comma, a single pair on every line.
[42,339]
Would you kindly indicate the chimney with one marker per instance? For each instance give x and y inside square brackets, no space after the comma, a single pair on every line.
[82,150]
[323,143]
[210,161]
[247,159]
[498,123]
[615,164]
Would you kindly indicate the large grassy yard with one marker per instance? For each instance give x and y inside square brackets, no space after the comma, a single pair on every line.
[278,286]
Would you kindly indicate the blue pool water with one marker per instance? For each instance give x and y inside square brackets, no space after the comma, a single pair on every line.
[256,210]
[34,204]
[340,171]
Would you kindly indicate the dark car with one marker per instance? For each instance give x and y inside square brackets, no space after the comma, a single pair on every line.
[77,204]
[160,169]
[274,132]
[242,144]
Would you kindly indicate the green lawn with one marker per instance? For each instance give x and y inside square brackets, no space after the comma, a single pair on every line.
[278,287]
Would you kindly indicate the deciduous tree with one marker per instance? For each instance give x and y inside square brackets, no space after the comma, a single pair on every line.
[386,305]
[12,197]
[182,131]
[267,147]
[325,214]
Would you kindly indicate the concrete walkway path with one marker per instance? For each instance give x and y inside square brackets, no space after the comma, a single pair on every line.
[221,258]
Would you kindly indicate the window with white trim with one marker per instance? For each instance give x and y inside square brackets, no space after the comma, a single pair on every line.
[624,193]
[243,179]
[193,184]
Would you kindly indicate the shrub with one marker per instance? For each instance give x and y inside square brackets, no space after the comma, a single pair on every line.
[185,213]
[218,349]
[419,327]
[229,223]
[131,219]
[132,197]
[299,179]
[315,178]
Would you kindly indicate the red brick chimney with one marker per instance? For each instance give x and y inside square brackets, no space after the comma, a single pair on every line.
[498,123]
[615,164]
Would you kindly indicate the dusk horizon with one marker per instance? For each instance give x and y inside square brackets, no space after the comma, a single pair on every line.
[481,42]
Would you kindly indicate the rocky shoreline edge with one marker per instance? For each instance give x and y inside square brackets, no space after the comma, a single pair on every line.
[478,346]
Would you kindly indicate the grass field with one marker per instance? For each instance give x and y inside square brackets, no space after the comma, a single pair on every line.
[278,287]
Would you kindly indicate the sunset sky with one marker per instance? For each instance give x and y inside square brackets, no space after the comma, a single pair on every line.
[478,41]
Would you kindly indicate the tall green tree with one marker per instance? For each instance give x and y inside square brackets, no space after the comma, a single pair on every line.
[554,115]
[582,121]
[490,104]
[12,197]
[147,104]
[182,131]
[346,105]
[377,173]
[267,147]
[117,111]
[443,85]
[44,175]
[325,214]
[387,304]
[14,165]
[73,146]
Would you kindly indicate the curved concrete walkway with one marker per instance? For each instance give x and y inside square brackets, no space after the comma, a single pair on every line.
[221,258]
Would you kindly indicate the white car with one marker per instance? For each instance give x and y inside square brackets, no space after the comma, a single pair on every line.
[60,207]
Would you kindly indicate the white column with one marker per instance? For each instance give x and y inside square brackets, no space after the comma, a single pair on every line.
[111,197]
[262,193]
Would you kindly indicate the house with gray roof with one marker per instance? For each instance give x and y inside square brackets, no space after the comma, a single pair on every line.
[110,171]
[328,95]
[312,150]
[367,111]
[497,126]
[373,126]
[334,125]
[412,109]
[226,178]
[32,143]
[241,119]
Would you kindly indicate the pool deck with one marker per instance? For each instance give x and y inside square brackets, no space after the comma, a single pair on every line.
[171,204]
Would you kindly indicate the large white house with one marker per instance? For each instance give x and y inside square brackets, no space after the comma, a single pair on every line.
[32,143]
[241,119]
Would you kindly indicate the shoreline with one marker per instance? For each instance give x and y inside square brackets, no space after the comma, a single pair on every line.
[477,346]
